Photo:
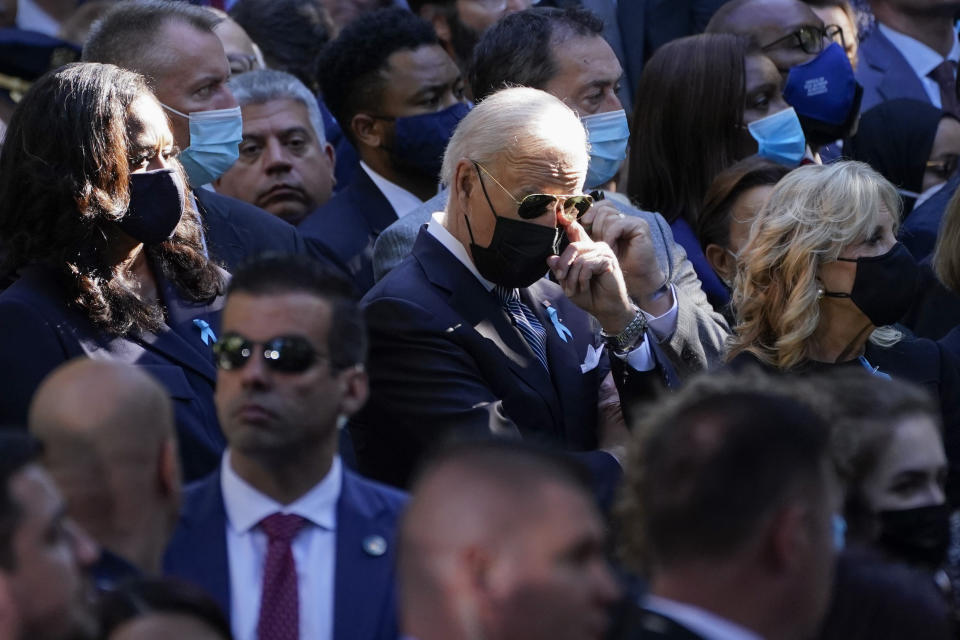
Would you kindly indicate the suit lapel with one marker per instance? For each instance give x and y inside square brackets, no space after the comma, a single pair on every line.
[481,309]
[897,73]
[372,205]
[364,563]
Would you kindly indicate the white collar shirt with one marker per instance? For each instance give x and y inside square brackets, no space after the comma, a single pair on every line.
[702,622]
[402,201]
[314,550]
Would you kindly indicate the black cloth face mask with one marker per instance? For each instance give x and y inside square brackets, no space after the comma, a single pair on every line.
[919,536]
[517,255]
[157,202]
[885,286]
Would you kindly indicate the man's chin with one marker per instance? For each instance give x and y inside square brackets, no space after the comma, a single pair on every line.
[287,210]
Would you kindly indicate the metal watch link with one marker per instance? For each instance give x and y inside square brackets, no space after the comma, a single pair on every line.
[631,335]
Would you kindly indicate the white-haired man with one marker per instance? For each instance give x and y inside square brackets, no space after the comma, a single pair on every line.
[285,164]
[469,337]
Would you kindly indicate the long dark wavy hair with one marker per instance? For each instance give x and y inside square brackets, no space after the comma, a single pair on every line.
[64,181]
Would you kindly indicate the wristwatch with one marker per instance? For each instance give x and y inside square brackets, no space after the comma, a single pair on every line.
[631,335]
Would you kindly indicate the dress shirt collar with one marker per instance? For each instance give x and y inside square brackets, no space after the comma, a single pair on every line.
[921,58]
[700,621]
[402,201]
[245,506]
[437,230]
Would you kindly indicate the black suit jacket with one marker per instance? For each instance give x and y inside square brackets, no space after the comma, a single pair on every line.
[445,359]
[348,227]
[236,231]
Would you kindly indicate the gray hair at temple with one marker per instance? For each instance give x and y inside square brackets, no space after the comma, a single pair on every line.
[265,85]
[512,122]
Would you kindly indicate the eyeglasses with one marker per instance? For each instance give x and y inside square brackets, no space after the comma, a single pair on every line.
[810,38]
[536,204]
[287,354]
[946,167]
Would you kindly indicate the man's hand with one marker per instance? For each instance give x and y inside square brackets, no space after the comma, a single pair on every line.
[590,276]
[629,237]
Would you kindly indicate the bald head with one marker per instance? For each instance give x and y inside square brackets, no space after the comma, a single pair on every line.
[108,434]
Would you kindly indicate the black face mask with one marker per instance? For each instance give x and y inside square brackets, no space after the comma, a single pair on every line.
[885,286]
[157,201]
[517,255]
[918,536]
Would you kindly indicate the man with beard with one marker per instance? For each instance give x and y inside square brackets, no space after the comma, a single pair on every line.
[460,23]
[285,165]
[397,96]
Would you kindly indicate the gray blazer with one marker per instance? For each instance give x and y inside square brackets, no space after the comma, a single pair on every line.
[885,73]
[695,345]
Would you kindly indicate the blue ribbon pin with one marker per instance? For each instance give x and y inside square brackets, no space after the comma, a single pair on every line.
[561,330]
[206,333]
[874,370]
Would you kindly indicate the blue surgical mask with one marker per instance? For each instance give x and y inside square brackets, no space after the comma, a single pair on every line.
[839,525]
[780,137]
[608,134]
[419,141]
[215,138]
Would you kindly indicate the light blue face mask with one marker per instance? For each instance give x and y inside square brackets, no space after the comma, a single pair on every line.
[839,525]
[215,138]
[780,137]
[608,134]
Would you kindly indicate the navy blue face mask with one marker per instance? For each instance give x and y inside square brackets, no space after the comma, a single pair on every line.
[419,141]
[157,201]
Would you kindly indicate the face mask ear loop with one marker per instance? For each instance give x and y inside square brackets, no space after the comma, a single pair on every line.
[476,168]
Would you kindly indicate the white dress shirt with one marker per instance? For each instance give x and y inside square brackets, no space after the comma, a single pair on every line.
[700,621]
[641,358]
[922,59]
[402,201]
[314,551]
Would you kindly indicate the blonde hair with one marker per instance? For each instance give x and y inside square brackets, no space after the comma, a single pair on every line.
[812,214]
[514,121]
[946,257]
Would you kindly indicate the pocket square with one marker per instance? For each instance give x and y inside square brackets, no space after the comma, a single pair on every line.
[592,360]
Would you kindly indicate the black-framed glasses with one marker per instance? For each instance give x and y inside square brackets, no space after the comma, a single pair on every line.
[536,204]
[811,39]
[946,167]
[288,354]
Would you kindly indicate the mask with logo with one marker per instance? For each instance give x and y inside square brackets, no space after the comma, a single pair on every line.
[826,95]
[780,137]
[215,138]
[419,141]
[608,134]
[919,536]
[884,286]
[157,201]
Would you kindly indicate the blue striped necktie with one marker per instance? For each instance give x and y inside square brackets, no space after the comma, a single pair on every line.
[526,322]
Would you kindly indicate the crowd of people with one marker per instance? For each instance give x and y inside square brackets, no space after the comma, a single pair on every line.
[479,319]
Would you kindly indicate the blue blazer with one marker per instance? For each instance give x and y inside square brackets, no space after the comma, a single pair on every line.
[364,602]
[922,226]
[445,360]
[885,73]
[348,226]
[237,231]
[41,331]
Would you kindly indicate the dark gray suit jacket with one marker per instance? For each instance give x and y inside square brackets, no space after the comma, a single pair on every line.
[696,344]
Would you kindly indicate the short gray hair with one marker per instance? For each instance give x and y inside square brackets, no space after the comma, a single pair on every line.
[265,85]
[510,119]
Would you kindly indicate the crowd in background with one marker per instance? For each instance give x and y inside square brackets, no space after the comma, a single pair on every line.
[479,319]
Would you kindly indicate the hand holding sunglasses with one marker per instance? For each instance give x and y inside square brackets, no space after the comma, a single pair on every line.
[285,354]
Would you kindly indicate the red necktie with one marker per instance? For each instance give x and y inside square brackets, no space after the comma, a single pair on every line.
[279,601]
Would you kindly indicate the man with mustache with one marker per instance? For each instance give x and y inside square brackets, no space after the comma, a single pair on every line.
[285,164]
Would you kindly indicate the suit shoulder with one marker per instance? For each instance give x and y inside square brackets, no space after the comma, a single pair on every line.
[389,498]
[244,212]
[196,494]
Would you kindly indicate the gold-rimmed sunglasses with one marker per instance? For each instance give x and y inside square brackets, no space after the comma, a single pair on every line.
[536,204]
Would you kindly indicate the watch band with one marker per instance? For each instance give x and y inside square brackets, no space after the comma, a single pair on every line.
[630,336]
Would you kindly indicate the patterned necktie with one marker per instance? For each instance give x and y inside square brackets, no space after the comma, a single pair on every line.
[945,75]
[526,322]
[279,601]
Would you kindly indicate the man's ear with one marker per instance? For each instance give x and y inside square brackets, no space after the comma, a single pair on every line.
[721,262]
[787,538]
[368,130]
[356,388]
[464,183]
[438,18]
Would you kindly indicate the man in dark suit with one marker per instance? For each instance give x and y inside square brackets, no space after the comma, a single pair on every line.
[109,444]
[174,46]
[397,96]
[467,336]
[283,535]
[729,502]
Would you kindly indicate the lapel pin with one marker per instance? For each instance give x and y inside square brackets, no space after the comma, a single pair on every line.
[375,545]
[206,333]
[562,331]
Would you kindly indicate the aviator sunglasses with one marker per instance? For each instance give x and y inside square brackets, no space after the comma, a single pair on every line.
[288,354]
[537,204]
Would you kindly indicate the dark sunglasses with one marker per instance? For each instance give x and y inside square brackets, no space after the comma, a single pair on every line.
[944,168]
[811,38]
[537,204]
[288,354]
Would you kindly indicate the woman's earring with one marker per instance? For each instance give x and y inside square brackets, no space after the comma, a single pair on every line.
[819,294]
